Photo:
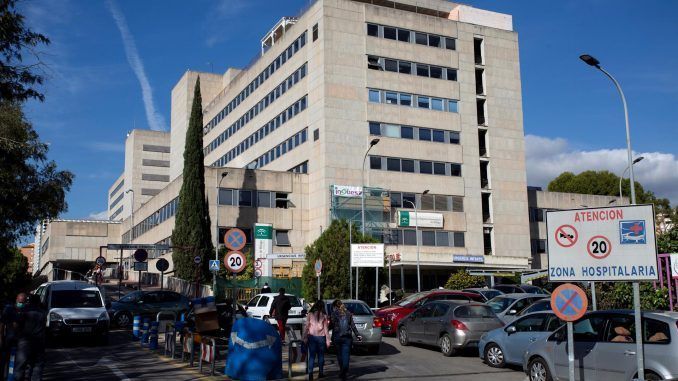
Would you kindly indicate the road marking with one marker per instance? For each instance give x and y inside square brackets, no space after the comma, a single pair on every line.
[105,361]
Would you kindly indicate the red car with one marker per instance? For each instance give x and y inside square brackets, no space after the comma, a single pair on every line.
[392,315]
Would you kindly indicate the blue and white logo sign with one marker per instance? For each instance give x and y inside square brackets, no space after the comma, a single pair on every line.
[214,265]
[632,232]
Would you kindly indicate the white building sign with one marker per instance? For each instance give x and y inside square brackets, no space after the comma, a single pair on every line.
[263,240]
[367,255]
[347,191]
[674,266]
[602,244]
[421,219]
[287,256]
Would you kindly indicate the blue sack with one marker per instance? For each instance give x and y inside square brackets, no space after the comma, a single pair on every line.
[254,351]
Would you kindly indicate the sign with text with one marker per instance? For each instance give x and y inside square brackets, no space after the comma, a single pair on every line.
[460,258]
[367,255]
[602,244]
[347,191]
[263,240]
[134,246]
[674,265]
[140,266]
[420,219]
[287,256]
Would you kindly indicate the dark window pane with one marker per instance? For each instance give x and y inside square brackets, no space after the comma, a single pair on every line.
[425,134]
[393,164]
[423,102]
[409,200]
[439,168]
[437,104]
[282,238]
[245,198]
[373,30]
[405,67]
[375,128]
[389,33]
[225,196]
[422,70]
[404,35]
[426,201]
[459,239]
[425,167]
[396,200]
[409,237]
[405,99]
[454,137]
[391,97]
[442,239]
[450,43]
[433,40]
[391,65]
[374,96]
[406,132]
[408,165]
[457,204]
[443,203]
[456,170]
[421,38]
[264,199]
[436,72]
[439,136]
[451,74]
[375,162]
[428,238]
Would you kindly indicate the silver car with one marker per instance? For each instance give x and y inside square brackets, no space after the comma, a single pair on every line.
[367,323]
[605,348]
[448,324]
[509,305]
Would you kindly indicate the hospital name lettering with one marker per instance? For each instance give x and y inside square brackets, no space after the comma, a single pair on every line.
[603,271]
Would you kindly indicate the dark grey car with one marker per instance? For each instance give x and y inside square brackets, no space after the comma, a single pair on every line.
[450,325]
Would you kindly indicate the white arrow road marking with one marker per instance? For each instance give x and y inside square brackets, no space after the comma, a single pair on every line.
[267,342]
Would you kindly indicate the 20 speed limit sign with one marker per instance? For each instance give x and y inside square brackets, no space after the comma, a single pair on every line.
[235,262]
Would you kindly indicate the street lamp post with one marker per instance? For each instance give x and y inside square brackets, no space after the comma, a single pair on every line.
[416,234]
[638,159]
[131,238]
[216,247]
[373,143]
[592,61]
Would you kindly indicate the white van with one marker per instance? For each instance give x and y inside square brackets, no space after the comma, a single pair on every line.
[74,308]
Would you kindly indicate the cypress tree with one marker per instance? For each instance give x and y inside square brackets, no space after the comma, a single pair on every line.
[192,234]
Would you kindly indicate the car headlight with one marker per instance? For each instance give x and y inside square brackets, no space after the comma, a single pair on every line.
[53,316]
[103,316]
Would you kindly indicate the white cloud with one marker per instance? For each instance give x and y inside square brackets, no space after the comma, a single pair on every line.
[98,216]
[218,23]
[155,120]
[547,158]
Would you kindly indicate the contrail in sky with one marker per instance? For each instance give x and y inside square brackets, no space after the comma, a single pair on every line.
[155,120]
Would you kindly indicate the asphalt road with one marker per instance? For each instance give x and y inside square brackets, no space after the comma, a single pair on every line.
[123,360]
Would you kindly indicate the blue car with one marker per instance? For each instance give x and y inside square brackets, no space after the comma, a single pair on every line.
[507,345]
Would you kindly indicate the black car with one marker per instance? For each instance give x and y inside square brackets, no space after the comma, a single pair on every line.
[146,304]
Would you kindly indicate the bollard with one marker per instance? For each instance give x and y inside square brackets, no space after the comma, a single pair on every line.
[10,368]
[145,331]
[135,327]
[153,336]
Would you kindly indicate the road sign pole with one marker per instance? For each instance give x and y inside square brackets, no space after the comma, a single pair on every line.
[639,331]
[139,280]
[570,350]
[120,275]
[235,297]
[593,296]
[162,278]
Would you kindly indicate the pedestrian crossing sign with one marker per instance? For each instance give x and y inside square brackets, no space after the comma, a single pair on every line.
[214,265]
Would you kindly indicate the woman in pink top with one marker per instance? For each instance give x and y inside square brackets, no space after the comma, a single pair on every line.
[317,337]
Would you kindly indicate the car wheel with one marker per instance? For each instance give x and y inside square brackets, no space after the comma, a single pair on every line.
[123,319]
[651,376]
[373,350]
[538,370]
[494,356]
[446,345]
[403,338]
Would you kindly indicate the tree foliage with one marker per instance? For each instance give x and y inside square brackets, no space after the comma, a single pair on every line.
[17,78]
[14,277]
[668,241]
[461,279]
[31,187]
[192,235]
[619,295]
[334,249]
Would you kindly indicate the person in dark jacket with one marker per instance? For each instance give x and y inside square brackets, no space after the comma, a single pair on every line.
[30,339]
[266,289]
[343,329]
[280,311]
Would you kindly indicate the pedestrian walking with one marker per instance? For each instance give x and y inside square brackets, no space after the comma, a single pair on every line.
[280,311]
[30,339]
[317,337]
[266,289]
[343,329]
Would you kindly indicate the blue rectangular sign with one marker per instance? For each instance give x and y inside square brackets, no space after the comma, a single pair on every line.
[458,258]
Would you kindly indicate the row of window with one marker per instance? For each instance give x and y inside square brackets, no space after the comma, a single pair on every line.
[412,100]
[165,212]
[408,237]
[413,68]
[259,107]
[258,199]
[301,168]
[116,201]
[413,37]
[434,202]
[262,132]
[414,133]
[292,49]
[397,164]
[117,188]
[117,213]
[291,143]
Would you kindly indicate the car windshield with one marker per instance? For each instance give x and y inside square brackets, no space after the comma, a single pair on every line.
[412,298]
[489,294]
[294,301]
[499,304]
[358,309]
[131,298]
[474,312]
[76,299]
[531,289]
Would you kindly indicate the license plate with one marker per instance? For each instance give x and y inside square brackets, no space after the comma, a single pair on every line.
[82,329]
[361,326]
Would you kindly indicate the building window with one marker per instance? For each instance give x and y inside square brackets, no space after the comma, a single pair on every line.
[375,96]
[225,196]
[409,237]
[264,199]
[375,128]
[455,169]
[315,32]
[389,33]
[393,164]
[244,198]
[454,137]
[407,165]
[428,238]
[421,38]
[425,167]
[409,36]
[425,134]
[459,239]
[373,30]
[316,134]
[405,99]
[375,162]
[282,238]
[407,132]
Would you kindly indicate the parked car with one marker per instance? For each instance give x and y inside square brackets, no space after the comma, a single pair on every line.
[605,348]
[506,345]
[448,324]
[486,293]
[74,308]
[147,304]
[539,305]
[367,323]
[259,307]
[520,288]
[224,316]
[391,315]
[509,305]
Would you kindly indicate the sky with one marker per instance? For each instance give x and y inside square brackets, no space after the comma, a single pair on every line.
[112,64]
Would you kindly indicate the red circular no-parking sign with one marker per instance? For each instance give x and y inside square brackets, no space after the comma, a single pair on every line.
[566,235]
[599,247]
